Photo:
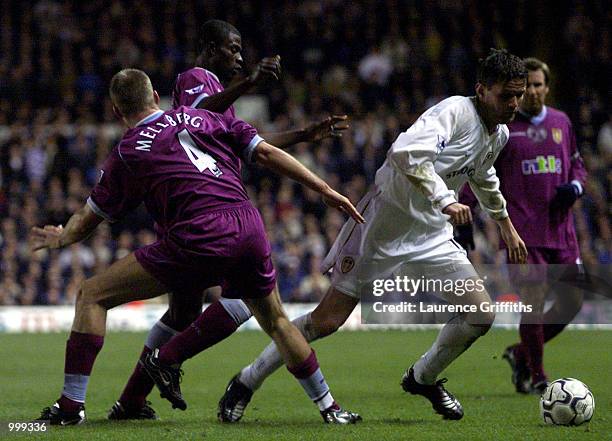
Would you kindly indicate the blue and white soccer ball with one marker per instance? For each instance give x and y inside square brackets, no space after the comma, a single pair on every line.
[567,402]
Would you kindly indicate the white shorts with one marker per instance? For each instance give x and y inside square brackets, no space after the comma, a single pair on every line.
[386,247]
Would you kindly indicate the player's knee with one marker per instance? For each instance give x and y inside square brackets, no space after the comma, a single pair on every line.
[86,293]
[482,320]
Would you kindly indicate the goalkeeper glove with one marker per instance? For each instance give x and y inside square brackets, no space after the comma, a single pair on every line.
[465,236]
[566,196]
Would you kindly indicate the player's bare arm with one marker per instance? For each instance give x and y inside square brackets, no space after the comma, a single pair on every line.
[517,251]
[283,163]
[267,69]
[80,225]
[330,127]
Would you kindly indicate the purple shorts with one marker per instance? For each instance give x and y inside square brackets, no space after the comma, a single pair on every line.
[570,256]
[538,259]
[226,247]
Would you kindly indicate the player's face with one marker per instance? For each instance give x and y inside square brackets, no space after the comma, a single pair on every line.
[501,101]
[535,95]
[228,57]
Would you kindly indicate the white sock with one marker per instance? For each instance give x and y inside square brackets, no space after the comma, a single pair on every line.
[237,310]
[317,390]
[270,358]
[159,334]
[454,338]
[75,387]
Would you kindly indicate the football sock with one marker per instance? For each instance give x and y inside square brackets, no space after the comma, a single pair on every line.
[237,310]
[212,326]
[270,359]
[309,374]
[81,352]
[532,341]
[140,384]
[454,338]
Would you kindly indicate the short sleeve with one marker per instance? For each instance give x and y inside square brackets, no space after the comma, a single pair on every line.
[193,86]
[117,191]
[244,138]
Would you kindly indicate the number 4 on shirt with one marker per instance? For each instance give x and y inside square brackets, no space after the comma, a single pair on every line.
[200,159]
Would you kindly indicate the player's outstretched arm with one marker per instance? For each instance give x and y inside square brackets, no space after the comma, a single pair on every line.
[80,225]
[283,163]
[267,69]
[330,127]
[517,251]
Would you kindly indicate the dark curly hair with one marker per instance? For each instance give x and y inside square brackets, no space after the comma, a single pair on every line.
[500,66]
[217,31]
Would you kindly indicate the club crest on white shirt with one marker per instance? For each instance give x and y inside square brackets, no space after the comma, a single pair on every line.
[348,263]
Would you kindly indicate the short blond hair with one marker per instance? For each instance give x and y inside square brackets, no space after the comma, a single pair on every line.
[131,91]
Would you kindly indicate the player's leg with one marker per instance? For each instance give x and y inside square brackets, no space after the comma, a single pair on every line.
[125,280]
[568,290]
[132,404]
[325,319]
[531,332]
[299,357]
[456,336]
[526,357]
[182,311]
[210,327]
[538,327]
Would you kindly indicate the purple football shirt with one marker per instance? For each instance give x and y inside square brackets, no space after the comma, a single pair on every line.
[183,163]
[195,84]
[540,155]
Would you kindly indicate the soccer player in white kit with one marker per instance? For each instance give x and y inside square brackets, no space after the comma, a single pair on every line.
[409,215]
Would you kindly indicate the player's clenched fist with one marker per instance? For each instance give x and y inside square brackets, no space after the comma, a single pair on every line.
[460,214]
[267,68]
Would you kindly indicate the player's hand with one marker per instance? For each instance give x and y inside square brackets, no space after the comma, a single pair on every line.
[459,214]
[47,237]
[335,200]
[565,197]
[268,68]
[517,251]
[332,126]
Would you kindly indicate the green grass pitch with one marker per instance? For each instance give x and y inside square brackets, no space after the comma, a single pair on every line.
[363,369]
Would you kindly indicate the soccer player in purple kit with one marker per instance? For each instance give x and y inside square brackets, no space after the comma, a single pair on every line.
[541,175]
[212,85]
[184,164]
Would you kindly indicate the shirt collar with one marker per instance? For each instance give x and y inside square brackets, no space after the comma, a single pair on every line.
[151,117]
[537,119]
[211,73]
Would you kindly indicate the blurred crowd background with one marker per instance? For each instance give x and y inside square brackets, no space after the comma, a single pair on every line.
[381,62]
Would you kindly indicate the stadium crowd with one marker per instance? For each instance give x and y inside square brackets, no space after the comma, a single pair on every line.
[380,62]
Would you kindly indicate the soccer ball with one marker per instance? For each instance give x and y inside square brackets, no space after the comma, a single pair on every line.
[567,402]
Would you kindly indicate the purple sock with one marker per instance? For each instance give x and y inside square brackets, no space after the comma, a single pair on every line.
[81,352]
[138,386]
[532,339]
[211,327]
